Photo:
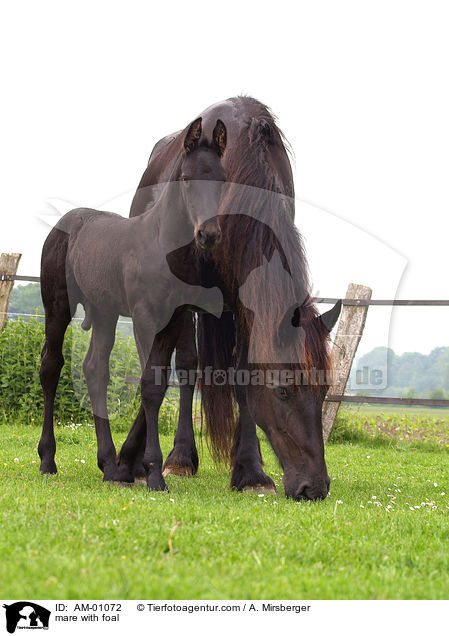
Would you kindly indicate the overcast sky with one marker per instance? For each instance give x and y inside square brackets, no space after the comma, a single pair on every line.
[360,90]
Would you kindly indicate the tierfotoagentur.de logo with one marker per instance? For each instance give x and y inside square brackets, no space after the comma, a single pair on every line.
[26,615]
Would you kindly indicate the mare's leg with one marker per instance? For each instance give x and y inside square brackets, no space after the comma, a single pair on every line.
[183,459]
[96,370]
[246,458]
[247,473]
[153,387]
[57,318]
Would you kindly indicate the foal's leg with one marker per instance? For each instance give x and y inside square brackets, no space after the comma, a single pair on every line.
[153,387]
[246,458]
[129,459]
[57,318]
[96,370]
[183,459]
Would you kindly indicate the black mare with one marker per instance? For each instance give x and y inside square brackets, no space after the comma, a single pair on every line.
[115,266]
[256,220]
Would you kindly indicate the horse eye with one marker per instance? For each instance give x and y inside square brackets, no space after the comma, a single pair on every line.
[282,393]
[185,181]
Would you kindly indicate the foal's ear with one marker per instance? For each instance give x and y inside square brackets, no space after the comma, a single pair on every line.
[193,135]
[219,136]
[329,318]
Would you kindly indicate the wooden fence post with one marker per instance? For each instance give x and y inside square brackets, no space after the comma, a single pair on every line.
[349,333]
[8,265]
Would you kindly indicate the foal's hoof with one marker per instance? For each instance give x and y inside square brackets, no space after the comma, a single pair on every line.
[140,480]
[48,467]
[181,471]
[156,482]
[259,488]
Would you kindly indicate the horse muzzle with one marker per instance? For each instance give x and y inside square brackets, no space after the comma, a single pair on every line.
[208,235]
[307,489]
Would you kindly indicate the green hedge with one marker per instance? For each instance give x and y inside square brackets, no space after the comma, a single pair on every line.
[21,395]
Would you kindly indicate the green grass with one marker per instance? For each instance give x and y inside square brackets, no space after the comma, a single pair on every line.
[71,536]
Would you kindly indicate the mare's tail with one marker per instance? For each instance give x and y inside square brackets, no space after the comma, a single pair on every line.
[216,340]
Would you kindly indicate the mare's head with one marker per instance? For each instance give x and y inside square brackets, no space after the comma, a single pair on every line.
[202,175]
[288,407]
[286,344]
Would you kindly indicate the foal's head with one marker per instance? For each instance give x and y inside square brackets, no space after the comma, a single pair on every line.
[202,175]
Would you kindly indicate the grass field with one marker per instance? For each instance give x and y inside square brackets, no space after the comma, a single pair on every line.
[398,409]
[430,425]
[382,533]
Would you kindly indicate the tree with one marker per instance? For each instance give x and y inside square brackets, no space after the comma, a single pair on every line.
[411,374]
[437,394]
[26,299]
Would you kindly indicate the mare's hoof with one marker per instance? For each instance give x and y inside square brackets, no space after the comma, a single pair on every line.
[140,480]
[123,473]
[139,473]
[112,474]
[182,462]
[251,479]
[181,471]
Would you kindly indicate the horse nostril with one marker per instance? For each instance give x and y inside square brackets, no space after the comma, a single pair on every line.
[301,491]
[312,491]
[208,237]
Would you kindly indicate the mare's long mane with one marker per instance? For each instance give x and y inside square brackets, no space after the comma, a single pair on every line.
[257,224]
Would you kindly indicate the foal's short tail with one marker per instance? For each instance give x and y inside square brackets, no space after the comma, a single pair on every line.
[216,339]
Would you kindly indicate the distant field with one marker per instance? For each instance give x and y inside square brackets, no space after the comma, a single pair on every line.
[429,425]
[430,411]
[383,531]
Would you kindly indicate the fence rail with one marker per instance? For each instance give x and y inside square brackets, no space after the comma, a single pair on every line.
[348,302]
[12,277]
[352,399]
[368,399]
[360,302]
